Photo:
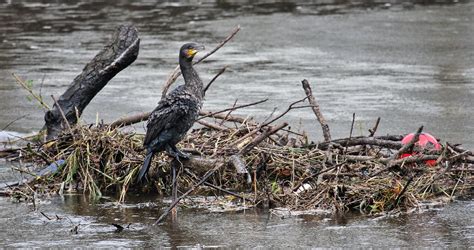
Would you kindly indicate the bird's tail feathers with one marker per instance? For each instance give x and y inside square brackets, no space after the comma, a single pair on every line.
[145,167]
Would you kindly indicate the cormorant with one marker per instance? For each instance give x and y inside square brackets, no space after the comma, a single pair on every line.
[176,113]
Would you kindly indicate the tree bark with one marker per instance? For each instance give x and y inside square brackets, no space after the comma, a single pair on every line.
[119,53]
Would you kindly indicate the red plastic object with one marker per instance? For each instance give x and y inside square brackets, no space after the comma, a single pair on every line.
[425,141]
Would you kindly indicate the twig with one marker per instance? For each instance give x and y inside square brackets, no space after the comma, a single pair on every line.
[352,125]
[410,159]
[449,167]
[23,84]
[129,120]
[10,123]
[356,141]
[211,125]
[284,113]
[220,45]
[405,188]
[62,114]
[213,79]
[316,174]
[41,212]
[216,187]
[41,87]
[352,128]
[374,129]
[204,178]
[461,155]
[459,149]
[228,113]
[174,192]
[407,147]
[243,138]
[223,117]
[232,108]
[176,72]
[316,110]
[269,131]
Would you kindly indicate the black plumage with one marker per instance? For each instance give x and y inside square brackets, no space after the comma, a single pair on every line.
[176,113]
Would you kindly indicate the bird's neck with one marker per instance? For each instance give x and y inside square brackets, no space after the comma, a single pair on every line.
[191,78]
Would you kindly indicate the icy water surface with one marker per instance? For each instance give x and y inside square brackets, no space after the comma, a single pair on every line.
[409,64]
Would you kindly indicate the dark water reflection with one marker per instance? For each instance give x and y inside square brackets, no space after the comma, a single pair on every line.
[409,62]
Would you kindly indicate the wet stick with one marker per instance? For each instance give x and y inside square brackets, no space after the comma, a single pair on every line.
[204,179]
[374,129]
[316,110]
[129,120]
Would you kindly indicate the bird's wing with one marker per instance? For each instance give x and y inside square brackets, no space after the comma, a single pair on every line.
[168,113]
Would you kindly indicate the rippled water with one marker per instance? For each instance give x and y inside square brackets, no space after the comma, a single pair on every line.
[409,64]
[449,227]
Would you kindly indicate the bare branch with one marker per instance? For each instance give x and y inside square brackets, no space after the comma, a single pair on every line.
[37,97]
[176,72]
[316,110]
[213,79]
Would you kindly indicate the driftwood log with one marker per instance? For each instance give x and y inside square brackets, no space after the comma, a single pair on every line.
[119,53]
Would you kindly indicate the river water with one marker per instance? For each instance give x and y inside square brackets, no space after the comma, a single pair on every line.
[409,63]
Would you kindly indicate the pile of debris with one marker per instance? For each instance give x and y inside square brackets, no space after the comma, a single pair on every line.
[264,163]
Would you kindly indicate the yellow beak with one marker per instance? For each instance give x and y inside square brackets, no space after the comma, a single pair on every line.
[191,52]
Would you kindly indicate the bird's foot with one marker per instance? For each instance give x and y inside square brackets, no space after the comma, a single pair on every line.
[181,155]
[176,153]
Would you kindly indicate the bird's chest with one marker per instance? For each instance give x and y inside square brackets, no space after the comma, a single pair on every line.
[189,108]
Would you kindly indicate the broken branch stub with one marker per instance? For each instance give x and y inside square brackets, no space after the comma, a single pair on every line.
[316,110]
[119,53]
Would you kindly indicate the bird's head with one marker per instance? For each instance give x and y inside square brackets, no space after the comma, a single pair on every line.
[188,50]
